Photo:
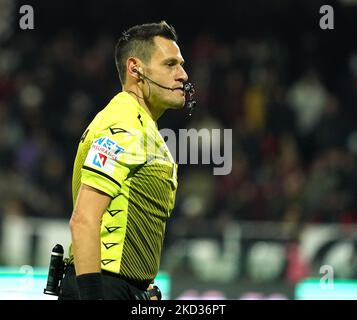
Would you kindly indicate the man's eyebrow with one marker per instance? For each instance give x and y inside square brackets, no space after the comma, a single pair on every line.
[174,60]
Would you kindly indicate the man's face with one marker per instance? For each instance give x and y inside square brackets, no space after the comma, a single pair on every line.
[165,68]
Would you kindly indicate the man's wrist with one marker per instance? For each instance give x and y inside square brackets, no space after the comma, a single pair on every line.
[90,286]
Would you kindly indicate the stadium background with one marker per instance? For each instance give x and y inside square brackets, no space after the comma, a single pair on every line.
[262,68]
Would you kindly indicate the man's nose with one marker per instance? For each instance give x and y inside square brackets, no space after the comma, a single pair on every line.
[182,76]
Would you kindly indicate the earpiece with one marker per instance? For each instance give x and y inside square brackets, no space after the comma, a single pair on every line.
[139,74]
[136,71]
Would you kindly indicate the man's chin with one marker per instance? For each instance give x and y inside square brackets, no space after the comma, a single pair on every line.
[178,104]
[174,104]
[176,107]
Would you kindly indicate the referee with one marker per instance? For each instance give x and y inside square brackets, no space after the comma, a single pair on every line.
[124,177]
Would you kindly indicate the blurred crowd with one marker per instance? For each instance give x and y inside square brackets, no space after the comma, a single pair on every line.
[294,134]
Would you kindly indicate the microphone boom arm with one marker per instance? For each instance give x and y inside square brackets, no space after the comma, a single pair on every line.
[187,87]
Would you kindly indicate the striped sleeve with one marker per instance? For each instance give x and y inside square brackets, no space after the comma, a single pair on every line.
[112,155]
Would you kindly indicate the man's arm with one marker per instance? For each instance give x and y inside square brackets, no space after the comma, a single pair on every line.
[85,229]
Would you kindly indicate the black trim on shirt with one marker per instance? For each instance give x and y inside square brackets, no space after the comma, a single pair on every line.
[118,130]
[102,174]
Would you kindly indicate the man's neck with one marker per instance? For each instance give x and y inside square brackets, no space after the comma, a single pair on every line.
[137,94]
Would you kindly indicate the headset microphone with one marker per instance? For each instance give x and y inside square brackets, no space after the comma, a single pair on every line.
[188,89]
[152,81]
[191,103]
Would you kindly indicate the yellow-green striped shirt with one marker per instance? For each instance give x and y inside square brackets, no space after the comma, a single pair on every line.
[123,154]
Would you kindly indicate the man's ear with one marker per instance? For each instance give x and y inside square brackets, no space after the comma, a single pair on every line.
[133,66]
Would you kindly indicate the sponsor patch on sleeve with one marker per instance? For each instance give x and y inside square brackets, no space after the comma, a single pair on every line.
[103,154]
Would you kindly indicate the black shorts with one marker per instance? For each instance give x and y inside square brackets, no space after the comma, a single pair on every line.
[114,288]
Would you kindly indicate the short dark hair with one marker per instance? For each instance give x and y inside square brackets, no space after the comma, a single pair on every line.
[138,41]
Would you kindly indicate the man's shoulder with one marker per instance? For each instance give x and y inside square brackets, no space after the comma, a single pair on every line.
[119,116]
